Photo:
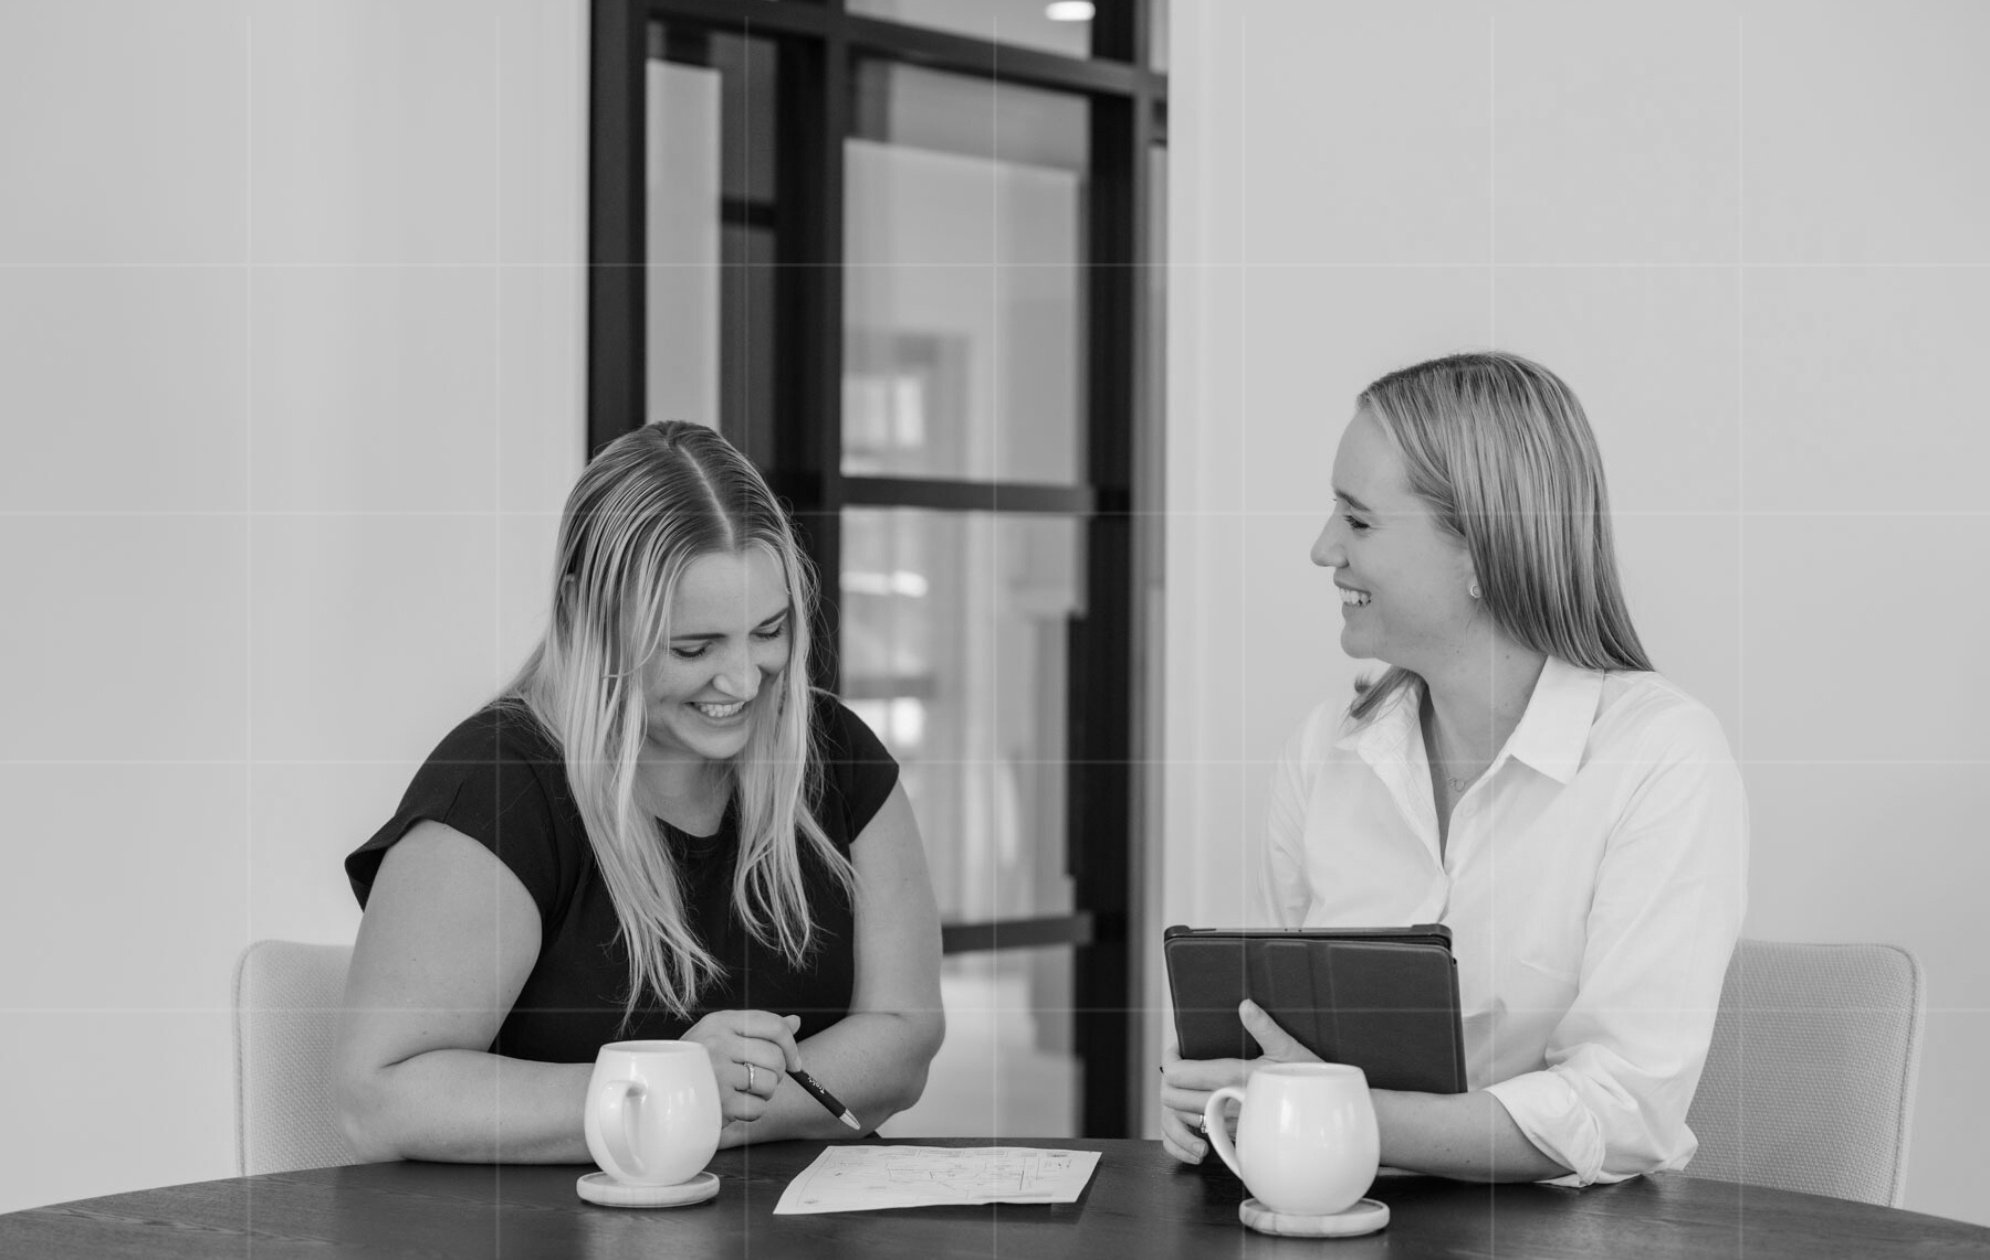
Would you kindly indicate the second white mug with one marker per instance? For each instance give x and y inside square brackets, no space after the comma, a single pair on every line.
[1306,1138]
[653,1115]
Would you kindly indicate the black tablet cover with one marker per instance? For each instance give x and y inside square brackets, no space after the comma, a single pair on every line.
[1382,999]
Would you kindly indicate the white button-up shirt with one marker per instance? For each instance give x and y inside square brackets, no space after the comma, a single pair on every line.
[1593,880]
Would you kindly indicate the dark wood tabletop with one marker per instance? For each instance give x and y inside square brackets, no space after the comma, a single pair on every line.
[1139,1204]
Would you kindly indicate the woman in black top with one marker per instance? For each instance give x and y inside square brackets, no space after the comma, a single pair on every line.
[657,830]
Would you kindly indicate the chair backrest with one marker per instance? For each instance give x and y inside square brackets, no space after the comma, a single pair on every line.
[287,1002]
[1809,1083]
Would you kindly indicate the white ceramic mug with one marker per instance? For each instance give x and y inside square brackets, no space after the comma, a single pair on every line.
[653,1114]
[1306,1140]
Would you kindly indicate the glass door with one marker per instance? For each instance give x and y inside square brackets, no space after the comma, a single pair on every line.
[963,284]
[898,258]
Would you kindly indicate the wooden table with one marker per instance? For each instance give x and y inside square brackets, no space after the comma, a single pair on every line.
[1140,1204]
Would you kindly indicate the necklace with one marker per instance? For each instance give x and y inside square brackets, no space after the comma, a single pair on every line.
[1459,782]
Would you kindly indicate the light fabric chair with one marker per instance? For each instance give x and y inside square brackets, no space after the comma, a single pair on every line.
[1810,1078]
[287,1001]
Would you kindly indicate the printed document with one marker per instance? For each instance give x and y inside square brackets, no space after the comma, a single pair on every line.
[860,1178]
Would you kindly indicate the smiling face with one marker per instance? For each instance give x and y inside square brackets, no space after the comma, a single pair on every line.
[1404,579]
[729,641]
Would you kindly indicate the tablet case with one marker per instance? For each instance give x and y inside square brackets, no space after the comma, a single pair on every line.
[1382,999]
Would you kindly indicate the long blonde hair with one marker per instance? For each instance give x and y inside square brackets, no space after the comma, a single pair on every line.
[1502,451]
[652,502]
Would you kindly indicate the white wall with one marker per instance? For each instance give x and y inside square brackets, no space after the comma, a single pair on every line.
[290,392]
[1756,239]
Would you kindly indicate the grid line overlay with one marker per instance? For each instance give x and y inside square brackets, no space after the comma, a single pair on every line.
[251,764]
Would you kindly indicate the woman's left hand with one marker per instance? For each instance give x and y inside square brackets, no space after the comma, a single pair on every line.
[751,1051]
[1186,1084]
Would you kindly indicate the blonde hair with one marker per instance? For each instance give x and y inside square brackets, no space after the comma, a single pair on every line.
[1501,450]
[652,502]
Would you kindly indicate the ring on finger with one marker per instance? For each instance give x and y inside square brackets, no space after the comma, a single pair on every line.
[749,1078]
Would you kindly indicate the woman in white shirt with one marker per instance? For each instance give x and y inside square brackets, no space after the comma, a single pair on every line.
[1518,774]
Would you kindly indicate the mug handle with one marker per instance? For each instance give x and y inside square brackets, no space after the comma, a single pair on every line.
[1218,1132]
[612,1114]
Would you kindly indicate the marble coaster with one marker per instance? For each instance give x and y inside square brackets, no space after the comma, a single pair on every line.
[599,1187]
[1365,1217]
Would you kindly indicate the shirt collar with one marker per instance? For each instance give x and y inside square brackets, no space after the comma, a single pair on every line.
[1390,734]
[1554,731]
[1551,737]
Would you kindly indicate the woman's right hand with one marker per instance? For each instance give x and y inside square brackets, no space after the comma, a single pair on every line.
[737,1041]
[1186,1084]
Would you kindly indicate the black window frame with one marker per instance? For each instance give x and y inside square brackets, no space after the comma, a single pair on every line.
[819,43]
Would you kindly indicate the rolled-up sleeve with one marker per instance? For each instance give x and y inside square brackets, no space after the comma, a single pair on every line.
[1623,1062]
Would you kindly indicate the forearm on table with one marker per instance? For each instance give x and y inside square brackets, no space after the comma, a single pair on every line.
[467,1106]
[1469,1137]
[874,1062]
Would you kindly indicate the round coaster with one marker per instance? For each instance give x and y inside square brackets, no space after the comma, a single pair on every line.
[1365,1217]
[599,1187]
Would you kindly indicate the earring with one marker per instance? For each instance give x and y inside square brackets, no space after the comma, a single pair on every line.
[1474,589]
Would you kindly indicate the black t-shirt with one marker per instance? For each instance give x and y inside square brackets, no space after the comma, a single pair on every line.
[500,780]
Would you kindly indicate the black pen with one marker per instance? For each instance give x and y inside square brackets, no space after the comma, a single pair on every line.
[827,1099]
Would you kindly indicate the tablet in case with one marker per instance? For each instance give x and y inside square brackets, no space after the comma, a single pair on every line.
[1382,999]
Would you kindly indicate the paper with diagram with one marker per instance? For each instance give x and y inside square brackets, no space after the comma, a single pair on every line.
[860,1178]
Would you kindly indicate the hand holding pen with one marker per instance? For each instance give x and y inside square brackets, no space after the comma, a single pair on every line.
[751,1051]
